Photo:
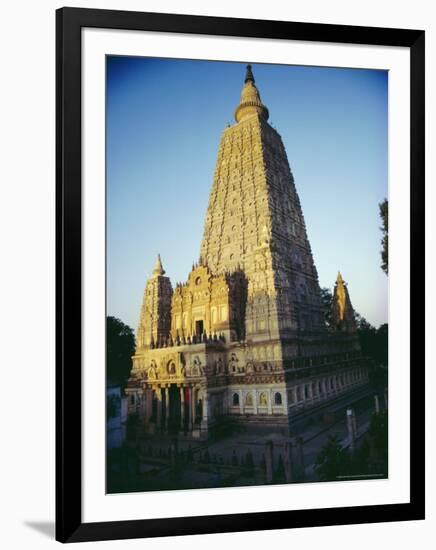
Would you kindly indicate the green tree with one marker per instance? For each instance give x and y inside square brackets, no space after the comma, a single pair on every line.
[120,346]
[331,462]
[378,441]
[367,335]
[383,209]
[327,302]
[382,344]
[373,341]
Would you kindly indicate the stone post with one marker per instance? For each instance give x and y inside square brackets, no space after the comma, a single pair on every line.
[255,402]
[193,407]
[203,424]
[376,404]
[310,392]
[285,401]
[288,462]
[355,425]
[167,408]
[189,411]
[324,387]
[269,461]
[351,428]
[150,404]
[159,409]
[300,456]
[182,408]
[146,398]
[270,403]
[241,403]
[205,407]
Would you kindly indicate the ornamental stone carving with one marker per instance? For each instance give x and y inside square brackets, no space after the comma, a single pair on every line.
[249,320]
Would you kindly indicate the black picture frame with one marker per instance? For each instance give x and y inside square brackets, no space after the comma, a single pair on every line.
[69,23]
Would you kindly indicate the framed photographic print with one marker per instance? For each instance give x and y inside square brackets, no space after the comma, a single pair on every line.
[240,331]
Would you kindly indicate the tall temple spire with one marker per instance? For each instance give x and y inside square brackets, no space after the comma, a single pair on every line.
[250,99]
[158,269]
[343,312]
[257,226]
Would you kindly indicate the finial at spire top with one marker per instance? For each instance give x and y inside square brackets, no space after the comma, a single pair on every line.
[339,278]
[250,102]
[158,269]
[249,75]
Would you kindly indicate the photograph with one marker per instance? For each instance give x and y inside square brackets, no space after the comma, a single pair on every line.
[216,222]
[246,274]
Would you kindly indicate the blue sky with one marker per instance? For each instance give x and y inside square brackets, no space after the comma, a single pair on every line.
[164,122]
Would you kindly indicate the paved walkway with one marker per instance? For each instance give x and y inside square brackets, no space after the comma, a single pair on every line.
[218,463]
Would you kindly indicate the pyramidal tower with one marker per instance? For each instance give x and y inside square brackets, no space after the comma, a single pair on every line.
[342,312]
[254,222]
[155,319]
[244,337]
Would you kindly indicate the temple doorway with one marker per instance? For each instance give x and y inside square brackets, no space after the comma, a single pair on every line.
[199,328]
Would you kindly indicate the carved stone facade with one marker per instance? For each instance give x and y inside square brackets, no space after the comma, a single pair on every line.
[155,321]
[244,337]
[207,305]
[254,223]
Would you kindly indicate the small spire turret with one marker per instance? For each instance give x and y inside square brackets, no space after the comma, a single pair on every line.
[155,319]
[158,269]
[343,312]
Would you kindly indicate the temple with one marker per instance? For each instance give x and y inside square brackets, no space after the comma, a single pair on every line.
[244,339]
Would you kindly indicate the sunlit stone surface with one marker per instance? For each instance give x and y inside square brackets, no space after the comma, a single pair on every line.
[244,338]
